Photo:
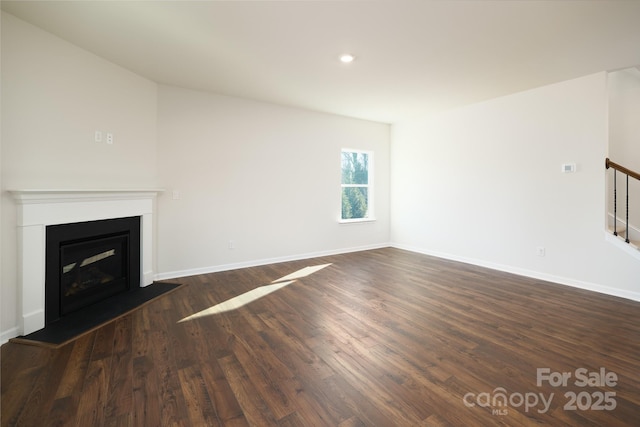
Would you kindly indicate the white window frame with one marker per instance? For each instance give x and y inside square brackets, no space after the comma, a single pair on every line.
[370,187]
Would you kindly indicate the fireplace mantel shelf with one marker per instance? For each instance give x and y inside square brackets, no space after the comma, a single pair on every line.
[25,196]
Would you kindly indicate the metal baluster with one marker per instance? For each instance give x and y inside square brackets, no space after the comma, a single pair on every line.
[615,203]
[627,232]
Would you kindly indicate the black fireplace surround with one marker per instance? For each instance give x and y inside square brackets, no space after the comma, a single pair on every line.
[88,262]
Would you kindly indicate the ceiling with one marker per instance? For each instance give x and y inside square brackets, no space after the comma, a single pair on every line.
[412,57]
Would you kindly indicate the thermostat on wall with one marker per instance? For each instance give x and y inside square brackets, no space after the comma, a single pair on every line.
[568,167]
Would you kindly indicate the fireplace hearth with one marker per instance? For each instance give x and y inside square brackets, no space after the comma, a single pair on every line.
[89,262]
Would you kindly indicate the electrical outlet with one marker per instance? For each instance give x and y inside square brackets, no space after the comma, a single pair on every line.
[176,194]
[541,251]
[109,138]
[232,244]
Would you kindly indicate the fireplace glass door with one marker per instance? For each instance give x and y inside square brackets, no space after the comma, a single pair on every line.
[92,271]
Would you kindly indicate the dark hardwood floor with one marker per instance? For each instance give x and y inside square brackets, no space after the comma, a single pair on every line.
[375,338]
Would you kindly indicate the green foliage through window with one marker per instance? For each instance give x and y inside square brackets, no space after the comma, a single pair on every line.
[355,184]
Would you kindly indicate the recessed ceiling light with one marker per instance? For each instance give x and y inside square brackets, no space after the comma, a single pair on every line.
[346,58]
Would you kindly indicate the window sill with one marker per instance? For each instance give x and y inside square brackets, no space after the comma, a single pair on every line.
[356,221]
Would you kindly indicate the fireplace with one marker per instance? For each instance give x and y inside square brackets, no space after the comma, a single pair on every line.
[88,262]
[38,210]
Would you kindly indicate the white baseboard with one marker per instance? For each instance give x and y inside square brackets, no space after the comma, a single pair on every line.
[630,248]
[622,293]
[254,263]
[5,336]
[33,321]
[634,232]
[147,278]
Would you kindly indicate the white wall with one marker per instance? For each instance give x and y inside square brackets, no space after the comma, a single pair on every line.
[264,176]
[624,111]
[54,97]
[624,136]
[483,184]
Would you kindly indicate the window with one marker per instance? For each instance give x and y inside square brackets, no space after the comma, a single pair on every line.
[357,186]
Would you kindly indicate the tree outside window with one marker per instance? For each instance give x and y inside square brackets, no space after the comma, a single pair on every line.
[356,185]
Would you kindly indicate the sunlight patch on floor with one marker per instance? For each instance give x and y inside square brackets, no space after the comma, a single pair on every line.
[303,272]
[255,294]
[239,301]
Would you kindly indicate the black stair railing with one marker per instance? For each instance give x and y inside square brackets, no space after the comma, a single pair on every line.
[628,173]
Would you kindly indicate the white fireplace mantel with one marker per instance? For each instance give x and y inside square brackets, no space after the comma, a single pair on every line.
[38,209]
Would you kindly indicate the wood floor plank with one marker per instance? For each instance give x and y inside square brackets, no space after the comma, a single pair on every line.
[41,396]
[254,407]
[77,365]
[67,397]
[199,407]
[146,397]
[271,379]
[375,338]
[173,407]
[94,394]
[91,407]
[120,391]
[21,368]
[226,405]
